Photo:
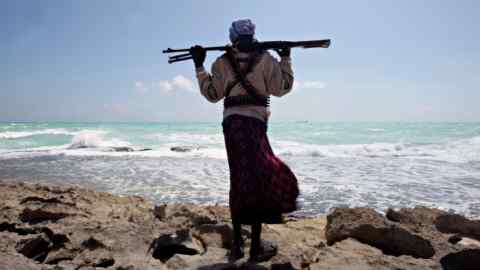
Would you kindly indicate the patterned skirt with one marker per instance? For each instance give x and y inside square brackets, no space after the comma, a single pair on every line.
[262,187]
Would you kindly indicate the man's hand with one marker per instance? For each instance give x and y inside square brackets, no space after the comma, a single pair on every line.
[283,52]
[198,54]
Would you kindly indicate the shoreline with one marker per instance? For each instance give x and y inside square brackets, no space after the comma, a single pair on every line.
[71,227]
[301,213]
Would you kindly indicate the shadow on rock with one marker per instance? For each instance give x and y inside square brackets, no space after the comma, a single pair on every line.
[233,266]
[463,260]
[182,242]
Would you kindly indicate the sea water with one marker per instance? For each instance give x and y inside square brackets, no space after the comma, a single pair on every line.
[380,165]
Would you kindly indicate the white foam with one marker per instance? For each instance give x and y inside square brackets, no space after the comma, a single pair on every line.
[95,139]
[94,146]
[190,138]
[377,175]
[23,134]
[464,150]
[376,129]
[98,142]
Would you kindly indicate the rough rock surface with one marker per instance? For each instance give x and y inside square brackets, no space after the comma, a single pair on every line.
[64,227]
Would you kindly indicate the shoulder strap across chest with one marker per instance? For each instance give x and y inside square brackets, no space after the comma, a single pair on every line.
[241,77]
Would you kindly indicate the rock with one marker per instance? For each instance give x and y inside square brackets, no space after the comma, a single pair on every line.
[92,244]
[453,223]
[215,235]
[35,248]
[190,214]
[465,241]
[212,259]
[369,227]
[185,148]
[182,148]
[454,239]
[182,242]
[33,216]
[128,149]
[414,217]
[350,254]
[123,149]
[17,262]
[8,241]
[339,256]
[282,266]
[40,200]
[44,227]
[104,262]
[299,241]
[421,221]
[463,260]
[126,267]
[13,228]
[59,255]
[342,221]
[99,258]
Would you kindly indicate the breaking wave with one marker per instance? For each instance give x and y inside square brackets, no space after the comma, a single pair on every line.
[24,134]
[464,150]
[95,139]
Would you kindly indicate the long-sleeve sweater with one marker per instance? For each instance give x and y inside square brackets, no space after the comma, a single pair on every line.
[268,76]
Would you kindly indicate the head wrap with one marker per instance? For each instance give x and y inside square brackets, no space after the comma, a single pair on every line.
[241,28]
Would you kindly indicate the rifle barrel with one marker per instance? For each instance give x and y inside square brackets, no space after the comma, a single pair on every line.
[216,48]
[170,50]
[266,45]
[179,59]
[179,55]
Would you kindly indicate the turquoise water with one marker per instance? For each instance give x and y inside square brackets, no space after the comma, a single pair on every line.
[386,164]
[31,135]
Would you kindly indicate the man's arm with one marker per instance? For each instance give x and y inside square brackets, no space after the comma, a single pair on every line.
[279,75]
[211,85]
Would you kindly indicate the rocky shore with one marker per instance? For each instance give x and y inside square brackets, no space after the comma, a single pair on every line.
[65,227]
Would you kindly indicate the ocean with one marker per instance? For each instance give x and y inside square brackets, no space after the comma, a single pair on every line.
[380,165]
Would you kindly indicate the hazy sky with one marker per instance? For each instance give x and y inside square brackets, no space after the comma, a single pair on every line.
[102,61]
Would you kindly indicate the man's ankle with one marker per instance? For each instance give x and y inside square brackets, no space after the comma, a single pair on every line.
[254,250]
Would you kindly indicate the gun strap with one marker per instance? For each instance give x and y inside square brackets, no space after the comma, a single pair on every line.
[241,78]
[252,62]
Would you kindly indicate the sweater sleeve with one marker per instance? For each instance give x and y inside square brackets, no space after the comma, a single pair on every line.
[211,85]
[278,75]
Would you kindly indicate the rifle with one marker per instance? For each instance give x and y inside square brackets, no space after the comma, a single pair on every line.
[266,45]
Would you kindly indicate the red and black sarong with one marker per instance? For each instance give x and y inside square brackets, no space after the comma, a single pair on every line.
[262,187]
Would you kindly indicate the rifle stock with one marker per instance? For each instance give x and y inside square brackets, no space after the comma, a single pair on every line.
[266,45]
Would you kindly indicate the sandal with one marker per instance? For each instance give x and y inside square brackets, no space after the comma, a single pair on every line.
[236,252]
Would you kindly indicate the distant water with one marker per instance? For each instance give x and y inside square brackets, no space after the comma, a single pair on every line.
[379,165]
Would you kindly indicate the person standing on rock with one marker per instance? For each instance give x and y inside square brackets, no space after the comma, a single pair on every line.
[262,187]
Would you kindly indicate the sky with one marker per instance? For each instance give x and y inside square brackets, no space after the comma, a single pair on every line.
[102,60]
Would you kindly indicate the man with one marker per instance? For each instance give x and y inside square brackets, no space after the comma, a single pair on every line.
[262,187]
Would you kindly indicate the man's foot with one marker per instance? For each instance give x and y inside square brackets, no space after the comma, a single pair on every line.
[263,253]
[236,253]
